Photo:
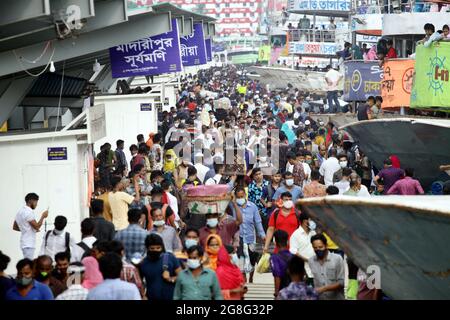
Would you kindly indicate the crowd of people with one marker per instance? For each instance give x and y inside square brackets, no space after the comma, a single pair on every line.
[142,242]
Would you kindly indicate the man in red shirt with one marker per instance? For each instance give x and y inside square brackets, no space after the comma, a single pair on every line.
[192,105]
[286,219]
[392,54]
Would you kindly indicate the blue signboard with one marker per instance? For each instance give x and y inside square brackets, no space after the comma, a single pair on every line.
[149,56]
[146,107]
[59,153]
[208,49]
[361,80]
[193,49]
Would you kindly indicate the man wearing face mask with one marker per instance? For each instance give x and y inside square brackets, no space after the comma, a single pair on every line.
[300,242]
[160,269]
[196,282]
[26,288]
[172,242]
[284,218]
[343,163]
[57,240]
[289,186]
[222,224]
[191,238]
[329,167]
[251,224]
[43,274]
[327,269]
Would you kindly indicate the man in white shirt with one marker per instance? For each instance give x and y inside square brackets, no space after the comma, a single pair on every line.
[173,201]
[201,168]
[57,240]
[329,167]
[88,240]
[332,78]
[344,184]
[25,222]
[300,241]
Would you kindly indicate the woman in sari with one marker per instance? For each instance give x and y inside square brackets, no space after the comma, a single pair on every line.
[229,274]
[213,244]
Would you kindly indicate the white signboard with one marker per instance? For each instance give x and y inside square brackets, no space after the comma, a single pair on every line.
[96,123]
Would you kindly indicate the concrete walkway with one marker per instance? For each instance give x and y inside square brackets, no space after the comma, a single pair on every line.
[262,287]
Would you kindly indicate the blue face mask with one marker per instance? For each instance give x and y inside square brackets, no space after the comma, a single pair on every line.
[190,243]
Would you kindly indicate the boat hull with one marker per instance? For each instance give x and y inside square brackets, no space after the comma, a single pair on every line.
[279,78]
[420,144]
[409,245]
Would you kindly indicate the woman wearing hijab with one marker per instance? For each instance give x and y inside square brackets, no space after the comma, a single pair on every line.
[229,274]
[395,161]
[213,244]
[92,274]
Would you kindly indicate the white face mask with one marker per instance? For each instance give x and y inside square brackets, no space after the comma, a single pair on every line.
[159,223]
[288,204]
[290,182]
[240,201]
[58,232]
[193,263]
[343,164]
[312,225]
[212,223]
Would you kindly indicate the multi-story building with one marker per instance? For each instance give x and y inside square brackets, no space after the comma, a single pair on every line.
[234,17]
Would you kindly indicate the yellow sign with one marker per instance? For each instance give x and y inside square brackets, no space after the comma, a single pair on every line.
[264,53]
[4,128]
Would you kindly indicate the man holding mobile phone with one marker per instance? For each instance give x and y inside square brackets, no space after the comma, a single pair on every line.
[26,223]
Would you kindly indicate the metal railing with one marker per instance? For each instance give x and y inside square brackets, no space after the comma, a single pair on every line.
[311,35]
[393,6]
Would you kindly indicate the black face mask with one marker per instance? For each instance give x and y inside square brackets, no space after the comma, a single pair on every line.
[153,255]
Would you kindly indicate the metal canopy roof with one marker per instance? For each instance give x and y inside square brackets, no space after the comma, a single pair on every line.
[177,11]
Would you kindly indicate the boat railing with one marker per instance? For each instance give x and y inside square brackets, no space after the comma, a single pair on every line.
[312,35]
[363,7]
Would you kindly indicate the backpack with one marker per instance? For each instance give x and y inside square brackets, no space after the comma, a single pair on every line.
[276,213]
[87,250]
[67,238]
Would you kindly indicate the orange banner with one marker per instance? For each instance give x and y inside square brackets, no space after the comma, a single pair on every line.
[397,83]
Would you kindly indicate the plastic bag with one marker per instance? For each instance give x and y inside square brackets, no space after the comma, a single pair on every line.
[264,264]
